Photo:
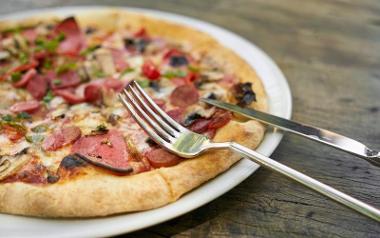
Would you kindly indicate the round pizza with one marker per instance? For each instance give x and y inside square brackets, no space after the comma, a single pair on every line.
[68,147]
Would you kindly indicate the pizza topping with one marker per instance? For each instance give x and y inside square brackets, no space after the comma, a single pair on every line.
[184,96]
[9,164]
[14,131]
[26,106]
[191,118]
[178,61]
[92,93]
[158,158]
[61,137]
[37,86]
[69,96]
[244,94]
[71,162]
[176,114]
[74,40]
[107,150]
[150,70]
[64,80]
[23,81]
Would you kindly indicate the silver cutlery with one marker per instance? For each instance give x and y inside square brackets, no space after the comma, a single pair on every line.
[313,133]
[185,143]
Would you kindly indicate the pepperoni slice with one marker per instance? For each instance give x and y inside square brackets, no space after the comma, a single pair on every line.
[200,125]
[219,119]
[62,137]
[74,40]
[31,64]
[69,96]
[37,86]
[65,80]
[25,78]
[92,93]
[27,106]
[150,70]
[184,96]
[161,158]
[107,150]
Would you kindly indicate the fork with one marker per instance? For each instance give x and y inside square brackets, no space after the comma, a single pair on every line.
[181,141]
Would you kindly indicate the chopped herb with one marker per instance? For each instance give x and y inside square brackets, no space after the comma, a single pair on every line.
[89,50]
[49,45]
[15,77]
[127,70]
[7,118]
[47,64]
[48,97]
[39,128]
[193,69]
[34,138]
[60,37]
[57,81]
[101,127]
[144,83]
[23,115]
[175,74]
[99,74]
[63,68]
[23,57]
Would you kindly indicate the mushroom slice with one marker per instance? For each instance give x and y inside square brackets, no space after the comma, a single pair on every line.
[105,60]
[9,164]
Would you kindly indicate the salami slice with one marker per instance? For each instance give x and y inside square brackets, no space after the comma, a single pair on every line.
[61,137]
[74,39]
[158,157]
[184,96]
[37,86]
[64,80]
[107,150]
[69,96]
[25,78]
[27,106]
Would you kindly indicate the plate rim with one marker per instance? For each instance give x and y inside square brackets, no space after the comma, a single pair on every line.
[245,167]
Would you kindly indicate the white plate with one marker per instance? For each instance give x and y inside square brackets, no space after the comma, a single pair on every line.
[279,104]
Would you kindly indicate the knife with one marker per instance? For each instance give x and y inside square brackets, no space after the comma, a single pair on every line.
[313,133]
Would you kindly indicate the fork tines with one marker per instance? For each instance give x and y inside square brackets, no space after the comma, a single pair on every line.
[156,123]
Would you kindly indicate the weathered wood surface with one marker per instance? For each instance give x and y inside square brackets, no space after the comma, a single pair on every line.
[330,53]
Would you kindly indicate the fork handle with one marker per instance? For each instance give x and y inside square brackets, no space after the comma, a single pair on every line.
[324,189]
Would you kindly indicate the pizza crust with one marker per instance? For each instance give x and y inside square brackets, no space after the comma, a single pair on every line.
[105,194]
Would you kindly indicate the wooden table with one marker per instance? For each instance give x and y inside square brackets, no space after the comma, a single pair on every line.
[330,54]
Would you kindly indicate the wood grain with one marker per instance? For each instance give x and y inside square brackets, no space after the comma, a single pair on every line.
[329,52]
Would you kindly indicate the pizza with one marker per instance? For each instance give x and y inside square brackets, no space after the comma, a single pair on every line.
[68,147]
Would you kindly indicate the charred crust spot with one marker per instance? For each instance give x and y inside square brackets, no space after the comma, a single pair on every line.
[191,118]
[105,166]
[244,94]
[137,44]
[89,30]
[155,85]
[150,142]
[52,178]
[72,161]
[178,61]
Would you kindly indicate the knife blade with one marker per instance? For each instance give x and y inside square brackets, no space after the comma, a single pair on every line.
[313,133]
